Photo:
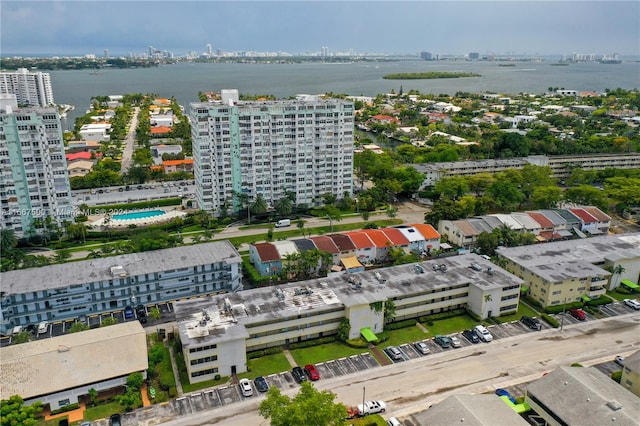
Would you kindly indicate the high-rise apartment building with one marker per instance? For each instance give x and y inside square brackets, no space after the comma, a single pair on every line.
[34,181]
[30,88]
[427,56]
[271,147]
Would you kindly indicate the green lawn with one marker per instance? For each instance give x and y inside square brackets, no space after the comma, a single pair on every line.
[268,364]
[523,310]
[102,411]
[450,325]
[404,335]
[326,352]
[621,296]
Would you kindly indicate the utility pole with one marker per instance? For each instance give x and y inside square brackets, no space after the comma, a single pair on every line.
[564,306]
[363,407]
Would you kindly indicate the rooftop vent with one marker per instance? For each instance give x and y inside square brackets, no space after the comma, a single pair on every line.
[443,267]
[118,271]
[279,293]
[419,269]
[490,270]
[475,266]
[379,277]
[614,405]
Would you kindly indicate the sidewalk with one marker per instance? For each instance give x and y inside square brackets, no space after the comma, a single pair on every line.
[74,416]
[289,357]
[175,371]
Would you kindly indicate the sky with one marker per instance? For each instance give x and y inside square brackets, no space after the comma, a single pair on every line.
[446,27]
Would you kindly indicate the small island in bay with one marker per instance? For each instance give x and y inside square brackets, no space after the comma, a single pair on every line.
[428,75]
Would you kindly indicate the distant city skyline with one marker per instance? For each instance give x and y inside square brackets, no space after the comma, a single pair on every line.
[324,27]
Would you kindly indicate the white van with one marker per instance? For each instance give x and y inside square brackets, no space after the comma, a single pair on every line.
[283,223]
[483,333]
[43,327]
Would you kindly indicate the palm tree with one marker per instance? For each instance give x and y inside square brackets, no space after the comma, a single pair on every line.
[284,206]
[244,201]
[618,270]
[259,205]
[94,254]
[8,240]
[62,256]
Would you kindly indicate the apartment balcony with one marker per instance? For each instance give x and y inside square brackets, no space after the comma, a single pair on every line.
[596,291]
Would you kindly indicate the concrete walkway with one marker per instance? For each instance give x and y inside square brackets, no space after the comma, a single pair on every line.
[421,327]
[289,357]
[174,365]
[76,415]
[378,355]
[144,394]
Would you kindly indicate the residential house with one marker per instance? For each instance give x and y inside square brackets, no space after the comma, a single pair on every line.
[171,166]
[265,258]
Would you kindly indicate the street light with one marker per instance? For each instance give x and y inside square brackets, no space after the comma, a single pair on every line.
[564,306]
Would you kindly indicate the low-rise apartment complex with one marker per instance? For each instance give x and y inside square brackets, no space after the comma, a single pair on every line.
[562,272]
[561,165]
[92,287]
[217,332]
[59,370]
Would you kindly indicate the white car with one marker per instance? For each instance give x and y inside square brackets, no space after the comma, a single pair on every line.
[372,407]
[455,342]
[421,347]
[483,333]
[245,387]
[43,327]
[632,303]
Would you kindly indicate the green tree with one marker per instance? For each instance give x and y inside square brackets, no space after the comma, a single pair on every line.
[343,330]
[154,313]
[14,413]
[284,206]
[309,407]
[22,337]
[77,327]
[300,225]
[109,321]
[8,240]
[93,396]
[333,214]
[546,197]
[135,381]
[62,256]
[259,205]
[587,195]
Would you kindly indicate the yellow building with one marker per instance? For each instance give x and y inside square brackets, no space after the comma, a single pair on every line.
[631,373]
[568,271]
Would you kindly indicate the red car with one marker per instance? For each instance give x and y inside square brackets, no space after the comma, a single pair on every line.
[311,371]
[578,314]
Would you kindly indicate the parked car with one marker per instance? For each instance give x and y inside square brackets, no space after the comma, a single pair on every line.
[421,347]
[620,360]
[394,353]
[471,336]
[245,387]
[483,333]
[578,314]
[531,322]
[455,342]
[83,319]
[632,303]
[43,327]
[393,422]
[298,374]
[261,384]
[115,420]
[141,312]
[128,312]
[443,341]
[312,372]
[371,407]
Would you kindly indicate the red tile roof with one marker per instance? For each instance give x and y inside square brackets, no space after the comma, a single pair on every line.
[160,130]
[395,236]
[343,242]
[427,231]
[267,252]
[78,156]
[325,244]
[542,220]
[598,214]
[177,162]
[583,215]
[378,237]
[360,239]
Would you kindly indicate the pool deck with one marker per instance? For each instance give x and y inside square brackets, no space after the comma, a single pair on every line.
[119,223]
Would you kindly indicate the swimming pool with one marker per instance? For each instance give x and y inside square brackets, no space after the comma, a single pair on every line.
[138,215]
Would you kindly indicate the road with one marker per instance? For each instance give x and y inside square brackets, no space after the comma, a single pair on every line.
[412,386]
[130,142]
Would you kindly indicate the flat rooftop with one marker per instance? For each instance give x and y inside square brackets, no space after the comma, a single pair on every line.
[230,313]
[586,396]
[51,365]
[591,250]
[470,410]
[67,274]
